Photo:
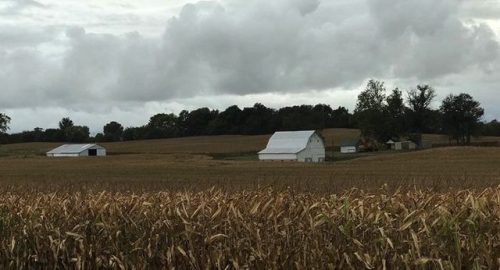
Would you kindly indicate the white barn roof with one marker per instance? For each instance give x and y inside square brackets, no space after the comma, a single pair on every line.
[288,142]
[72,148]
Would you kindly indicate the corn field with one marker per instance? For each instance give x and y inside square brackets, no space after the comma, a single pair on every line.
[261,229]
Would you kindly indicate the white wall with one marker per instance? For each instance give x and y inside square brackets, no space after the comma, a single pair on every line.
[101,152]
[348,149]
[64,155]
[277,156]
[315,150]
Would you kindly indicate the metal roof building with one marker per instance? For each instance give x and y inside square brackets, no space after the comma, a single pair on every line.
[305,146]
[77,150]
[349,146]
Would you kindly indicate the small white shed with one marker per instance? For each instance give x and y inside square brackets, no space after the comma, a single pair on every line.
[77,150]
[405,145]
[304,146]
[349,146]
[391,144]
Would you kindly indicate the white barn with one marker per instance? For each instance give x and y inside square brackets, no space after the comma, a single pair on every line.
[304,146]
[77,150]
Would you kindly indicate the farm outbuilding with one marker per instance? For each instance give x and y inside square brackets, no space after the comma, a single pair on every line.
[349,146]
[405,145]
[304,146]
[391,145]
[77,150]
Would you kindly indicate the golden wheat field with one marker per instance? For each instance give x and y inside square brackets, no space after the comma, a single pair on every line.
[172,204]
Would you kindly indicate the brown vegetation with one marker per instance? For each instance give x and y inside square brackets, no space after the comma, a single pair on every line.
[169,207]
[250,230]
[440,169]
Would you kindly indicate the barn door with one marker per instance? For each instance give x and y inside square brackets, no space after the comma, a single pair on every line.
[92,152]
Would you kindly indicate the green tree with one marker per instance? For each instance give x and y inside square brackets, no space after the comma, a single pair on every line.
[370,111]
[72,133]
[228,121]
[420,114]
[197,122]
[341,118]
[4,122]
[112,132]
[491,128]
[77,134]
[395,110]
[162,125]
[461,117]
[65,123]
[259,120]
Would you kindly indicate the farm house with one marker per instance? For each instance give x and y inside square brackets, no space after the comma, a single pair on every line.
[304,146]
[77,150]
[349,146]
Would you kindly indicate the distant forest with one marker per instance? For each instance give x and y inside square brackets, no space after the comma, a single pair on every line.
[378,114]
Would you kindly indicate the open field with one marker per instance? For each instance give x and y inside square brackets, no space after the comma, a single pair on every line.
[441,168]
[170,204]
[224,144]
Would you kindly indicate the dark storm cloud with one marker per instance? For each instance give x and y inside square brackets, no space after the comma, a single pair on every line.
[251,47]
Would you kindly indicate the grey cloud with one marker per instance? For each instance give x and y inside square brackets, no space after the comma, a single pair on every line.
[430,40]
[482,9]
[13,7]
[252,47]
[13,36]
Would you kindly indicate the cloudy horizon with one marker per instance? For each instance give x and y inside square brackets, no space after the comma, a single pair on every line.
[100,61]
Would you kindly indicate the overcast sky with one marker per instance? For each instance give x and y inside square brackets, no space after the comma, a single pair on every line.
[124,60]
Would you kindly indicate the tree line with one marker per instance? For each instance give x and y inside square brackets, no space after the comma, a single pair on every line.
[254,120]
[378,114]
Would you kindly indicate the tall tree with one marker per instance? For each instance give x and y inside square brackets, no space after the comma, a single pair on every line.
[77,134]
[370,111]
[228,122]
[322,115]
[4,122]
[72,133]
[395,114]
[197,122]
[112,132]
[461,117]
[259,120]
[65,123]
[420,112]
[341,118]
[162,125]
[491,128]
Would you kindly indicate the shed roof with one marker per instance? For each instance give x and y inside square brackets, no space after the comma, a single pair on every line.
[349,142]
[288,142]
[73,148]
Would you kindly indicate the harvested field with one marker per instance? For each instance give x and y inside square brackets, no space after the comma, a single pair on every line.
[440,169]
